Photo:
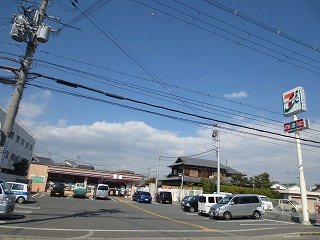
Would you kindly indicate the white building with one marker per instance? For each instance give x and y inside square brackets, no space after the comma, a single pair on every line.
[19,145]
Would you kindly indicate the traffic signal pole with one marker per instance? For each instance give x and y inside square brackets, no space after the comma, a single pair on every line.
[21,79]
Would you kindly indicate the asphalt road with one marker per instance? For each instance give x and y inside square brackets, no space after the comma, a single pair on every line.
[119,218]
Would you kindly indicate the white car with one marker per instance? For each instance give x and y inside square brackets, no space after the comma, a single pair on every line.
[266,203]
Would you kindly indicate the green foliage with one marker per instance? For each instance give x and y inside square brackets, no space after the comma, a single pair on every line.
[208,185]
[150,180]
[242,190]
[21,168]
[258,181]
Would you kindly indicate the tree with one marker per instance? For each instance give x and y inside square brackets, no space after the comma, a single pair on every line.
[209,185]
[239,179]
[21,168]
[150,180]
[262,181]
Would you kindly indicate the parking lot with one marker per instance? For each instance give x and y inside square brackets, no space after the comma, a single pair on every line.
[121,218]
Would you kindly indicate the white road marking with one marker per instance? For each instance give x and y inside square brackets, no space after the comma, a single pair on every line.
[41,195]
[23,206]
[22,211]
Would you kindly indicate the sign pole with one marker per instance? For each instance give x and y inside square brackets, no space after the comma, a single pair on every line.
[303,192]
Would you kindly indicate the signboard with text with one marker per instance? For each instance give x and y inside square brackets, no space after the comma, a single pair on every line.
[299,124]
[294,102]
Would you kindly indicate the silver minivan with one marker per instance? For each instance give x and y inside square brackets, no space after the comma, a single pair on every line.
[237,205]
[7,199]
[101,191]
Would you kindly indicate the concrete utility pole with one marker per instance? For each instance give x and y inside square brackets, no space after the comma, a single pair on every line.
[21,80]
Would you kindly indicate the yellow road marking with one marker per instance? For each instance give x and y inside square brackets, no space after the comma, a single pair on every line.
[167,218]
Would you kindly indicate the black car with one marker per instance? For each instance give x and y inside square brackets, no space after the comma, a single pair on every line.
[57,190]
[164,197]
[191,204]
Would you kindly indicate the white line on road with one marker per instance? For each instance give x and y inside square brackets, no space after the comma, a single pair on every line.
[23,206]
[41,195]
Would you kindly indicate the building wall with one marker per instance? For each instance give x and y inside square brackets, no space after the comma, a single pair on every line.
[20,144]
[37,170]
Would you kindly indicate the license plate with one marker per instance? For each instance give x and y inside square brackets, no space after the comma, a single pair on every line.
[101,196]
[57,193]
[146,199]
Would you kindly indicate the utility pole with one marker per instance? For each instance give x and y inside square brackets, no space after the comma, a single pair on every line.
[24,27]
[216,138]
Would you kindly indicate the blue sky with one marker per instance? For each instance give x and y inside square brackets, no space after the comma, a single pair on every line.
[190,56]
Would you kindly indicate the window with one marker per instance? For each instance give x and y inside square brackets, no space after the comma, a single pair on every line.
[17,187]
[31,147]
[22,142]
[18,139]
[236,200]
[13,156]
[245,200]
[211,200]
[27,145]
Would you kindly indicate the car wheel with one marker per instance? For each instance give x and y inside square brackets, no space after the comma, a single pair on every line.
[294,210]
[20,200]
[138,200]
[256,215]
[227,216]
[191,209]
[279,208]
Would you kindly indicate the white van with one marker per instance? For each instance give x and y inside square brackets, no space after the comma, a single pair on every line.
[7,199]
[207,200]
[266,203]
[21,191]
[101,191]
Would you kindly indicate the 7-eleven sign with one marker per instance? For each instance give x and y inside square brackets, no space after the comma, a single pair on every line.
[294,102]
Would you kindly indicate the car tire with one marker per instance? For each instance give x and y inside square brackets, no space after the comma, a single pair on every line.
[191,209]
[294,210]
[138,200]
[227,216]
[20,200]
[256,215]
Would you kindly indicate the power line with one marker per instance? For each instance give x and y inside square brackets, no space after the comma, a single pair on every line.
[119,97]
[262,25]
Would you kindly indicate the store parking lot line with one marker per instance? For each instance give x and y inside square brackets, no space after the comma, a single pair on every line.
[170,219]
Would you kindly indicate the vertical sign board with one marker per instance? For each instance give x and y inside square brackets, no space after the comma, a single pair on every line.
[294,102]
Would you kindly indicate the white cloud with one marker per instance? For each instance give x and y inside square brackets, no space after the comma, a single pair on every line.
[35,105]
[134,145]
[241,94]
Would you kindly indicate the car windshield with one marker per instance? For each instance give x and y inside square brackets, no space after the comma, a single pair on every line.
[5,187]
[194,198]
[225,200]
[295,203]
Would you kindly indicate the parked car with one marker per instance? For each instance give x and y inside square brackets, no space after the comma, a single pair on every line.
[141,196]
[266,203]
[7,199]
[57,189]
[21,191]
[207,200]
[289,205]
[164,197]
[191,204]
[237,205]
[101,191]
[184,200]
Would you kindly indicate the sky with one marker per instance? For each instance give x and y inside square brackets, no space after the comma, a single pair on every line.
[180,70]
